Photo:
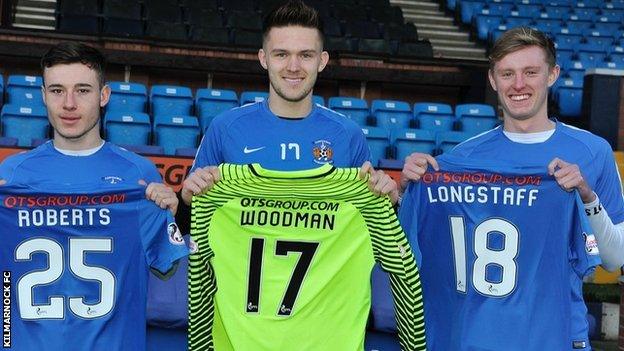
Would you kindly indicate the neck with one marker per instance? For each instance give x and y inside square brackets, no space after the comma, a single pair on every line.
[290,109]
[88,141]
[531,125]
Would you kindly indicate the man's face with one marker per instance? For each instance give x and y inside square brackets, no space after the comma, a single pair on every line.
[521,80]
[73,97]
[293,57]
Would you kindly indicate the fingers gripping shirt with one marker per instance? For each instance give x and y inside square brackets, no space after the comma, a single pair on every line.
[498,245]
[75,263]
[291,254]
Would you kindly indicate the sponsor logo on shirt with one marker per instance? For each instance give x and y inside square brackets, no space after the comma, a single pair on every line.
[322,152]
[175,237]
[248,150]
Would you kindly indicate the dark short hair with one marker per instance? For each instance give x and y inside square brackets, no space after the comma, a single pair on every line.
[292,13]
[519,38]
[68,52]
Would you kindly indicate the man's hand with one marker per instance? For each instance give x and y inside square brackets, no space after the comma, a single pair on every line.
[415,166]
[379,182]
[569,177]
[162,195]
[2,181]
[199,181]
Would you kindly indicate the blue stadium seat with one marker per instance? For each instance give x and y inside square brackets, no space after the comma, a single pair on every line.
[173,132]
[354,108]
[434,116]
[575,27]
[468,8]
[606,28]
[447,140]
[171,100]
[127,128]
[186,151]
[582,14]
[476,118]
[378,142]
[8,141]
[610,15]
[567,41]
[554,12]
[408,141]
[548,25]
[319,100]
[379,341]
[595,44]
[24,122]
[381,302]
[391,114]
[127,97]
[564,57]
[24,90]
[1,90]
[211,102]
[569,96]
[485,23]
[145,149]
[248,97]
[592,59]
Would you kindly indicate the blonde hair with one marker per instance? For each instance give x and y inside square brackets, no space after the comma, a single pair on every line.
[519,38]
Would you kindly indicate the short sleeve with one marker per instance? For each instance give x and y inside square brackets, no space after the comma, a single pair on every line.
[162,241]
[210,152]
[361,152]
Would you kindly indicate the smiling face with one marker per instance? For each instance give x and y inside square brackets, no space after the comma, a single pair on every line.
[521,80]
[73,97]
[293,57]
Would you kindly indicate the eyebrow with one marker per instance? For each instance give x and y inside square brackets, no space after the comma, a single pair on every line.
[79,85]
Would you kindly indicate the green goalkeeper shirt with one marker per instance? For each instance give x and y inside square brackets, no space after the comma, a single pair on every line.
[283,262]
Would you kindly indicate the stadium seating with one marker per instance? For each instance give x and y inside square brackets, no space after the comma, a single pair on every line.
[127,127]
[211,102]
[378,141]
[447,140]
[247,97]
[24,122]
[173,132]
[392,114]
[319,100]
[145,149]
[569,96]
[407,141]
[24,90]
[354,108]
[127,97]
[434,116]
[186,151]
[1,90]
[475,118]
[8,141]
[171,100]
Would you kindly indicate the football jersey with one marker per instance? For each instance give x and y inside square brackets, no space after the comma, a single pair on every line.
[291,254]
[497,244]
[253,134]
[75,262]
[595,159]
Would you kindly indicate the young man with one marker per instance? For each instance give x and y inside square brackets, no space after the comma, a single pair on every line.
[522,68]
[286,132]
[82,233]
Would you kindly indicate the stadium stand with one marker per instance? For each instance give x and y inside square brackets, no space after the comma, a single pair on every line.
[24,90]
[171,100]
[392,114]
[475,118]
[127,97]
[434,116]
[174,132]
[407,141]
[378,141]
[24,122]
[127,127]
[247,97]
[354,108]
[211,102]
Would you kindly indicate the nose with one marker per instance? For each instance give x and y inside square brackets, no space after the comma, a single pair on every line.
[518,82]
[294,63]
[70,101]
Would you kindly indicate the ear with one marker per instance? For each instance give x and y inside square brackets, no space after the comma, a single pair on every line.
[553,74]
[43,95]
[324,60]
[491,79]
[105,93]
[262,58]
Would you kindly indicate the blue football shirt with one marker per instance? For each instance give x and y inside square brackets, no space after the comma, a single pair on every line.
[497,244]
[595,159]
[253,134]
[76,264]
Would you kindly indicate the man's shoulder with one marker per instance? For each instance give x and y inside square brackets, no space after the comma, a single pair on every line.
[144,165]
[13,161]
[592,141]
[465,147]
[338,119]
